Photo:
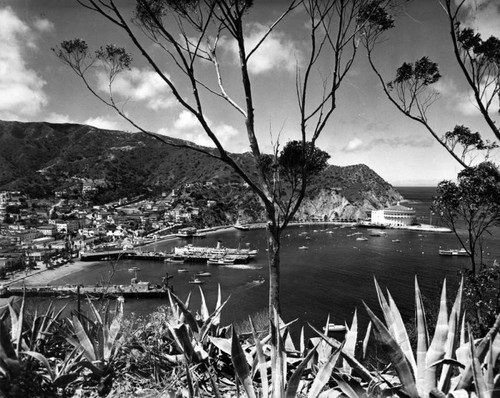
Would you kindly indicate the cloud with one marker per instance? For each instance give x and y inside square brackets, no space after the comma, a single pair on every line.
[483,16]
[43,25]
[187,127]
[21,87]
[277,52]
[59,118]
[459,100]
[103,122]
[139,85]
[358,145]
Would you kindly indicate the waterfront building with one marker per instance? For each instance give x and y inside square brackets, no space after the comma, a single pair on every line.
[397,215]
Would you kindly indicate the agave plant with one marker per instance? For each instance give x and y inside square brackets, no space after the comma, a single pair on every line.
[99,343]
[445,366]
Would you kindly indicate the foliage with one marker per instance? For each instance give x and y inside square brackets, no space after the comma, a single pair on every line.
[473,200]
[451,362]
[482,298]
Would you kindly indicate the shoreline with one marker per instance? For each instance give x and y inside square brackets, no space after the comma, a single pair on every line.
[45,276]
[50,276]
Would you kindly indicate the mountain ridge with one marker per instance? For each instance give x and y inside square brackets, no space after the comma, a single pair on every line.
[41,157]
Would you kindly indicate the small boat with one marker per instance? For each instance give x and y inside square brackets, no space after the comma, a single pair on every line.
[203,273]
[182,270]
[361,238]
[396,241]
[333,327]
[175,260]
[303,247]
[134,269]
[216,261]
[453,252]
[241,227]
[196,281]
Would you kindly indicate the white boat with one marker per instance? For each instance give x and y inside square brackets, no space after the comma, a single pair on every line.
[396,240]
[216,261]
[203,273]
[175,260]
[361,238]
[333,327]
[196,281]
[182,270]
[303,247]
[453,252]
[241,227]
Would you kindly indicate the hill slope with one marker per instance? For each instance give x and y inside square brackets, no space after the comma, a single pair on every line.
[40,158]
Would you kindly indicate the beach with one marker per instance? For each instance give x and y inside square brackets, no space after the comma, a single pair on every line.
[45,276]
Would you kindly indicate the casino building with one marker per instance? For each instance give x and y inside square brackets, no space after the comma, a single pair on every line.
[397,215]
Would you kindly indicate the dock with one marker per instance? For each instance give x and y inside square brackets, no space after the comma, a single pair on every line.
[136,289]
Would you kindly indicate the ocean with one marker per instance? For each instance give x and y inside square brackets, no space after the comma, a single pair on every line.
[332,278]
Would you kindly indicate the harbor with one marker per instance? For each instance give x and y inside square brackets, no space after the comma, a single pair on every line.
[185,254]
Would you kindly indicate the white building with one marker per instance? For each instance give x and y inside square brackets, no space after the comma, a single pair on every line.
[397,215]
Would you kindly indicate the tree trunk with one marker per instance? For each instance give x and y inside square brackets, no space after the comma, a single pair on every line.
[274,248]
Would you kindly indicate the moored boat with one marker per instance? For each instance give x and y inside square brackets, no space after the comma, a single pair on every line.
[453,252]
[203,273]
[196,281]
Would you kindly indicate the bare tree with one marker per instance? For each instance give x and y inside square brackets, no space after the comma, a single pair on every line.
[412,90]
[189,34]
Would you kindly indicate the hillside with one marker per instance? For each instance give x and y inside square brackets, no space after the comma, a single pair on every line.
[41,158]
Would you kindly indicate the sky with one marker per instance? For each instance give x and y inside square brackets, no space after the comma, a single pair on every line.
[365,127]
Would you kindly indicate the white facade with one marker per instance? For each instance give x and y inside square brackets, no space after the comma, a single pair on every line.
[395,215]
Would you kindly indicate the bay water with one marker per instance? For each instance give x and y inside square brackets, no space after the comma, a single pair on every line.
[334,276]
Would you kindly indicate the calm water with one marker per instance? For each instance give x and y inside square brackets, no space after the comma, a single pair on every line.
[332,277]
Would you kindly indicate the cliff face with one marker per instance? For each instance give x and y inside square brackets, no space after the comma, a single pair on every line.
[330,204]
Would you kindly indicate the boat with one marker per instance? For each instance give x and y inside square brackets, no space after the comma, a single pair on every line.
[396,241]
[182,270]
[196,281]
[303,247]
[216,261]
[134,269]
[361,238]
[203,273]
[186,232]
[453,252]
[334,327]
[241,227]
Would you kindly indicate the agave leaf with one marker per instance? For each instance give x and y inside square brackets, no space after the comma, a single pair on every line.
[481,387]
[302,341]
[495,349]
[222,344]
[84,340]
[401,334]
[204,313]
[349,386]
[218,307]
[398,359]
[324,374]
[17,325]
[112,335]
[351,338]
[451,340]
[185,312]
[367,338]
[480,351]
[183,337]
[422,339]
[293,383]
[353,362]
[211,319]
[436,349]
[261,360]
[240,365]
[41,358]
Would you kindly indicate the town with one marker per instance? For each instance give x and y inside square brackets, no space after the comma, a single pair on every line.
[46,233]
